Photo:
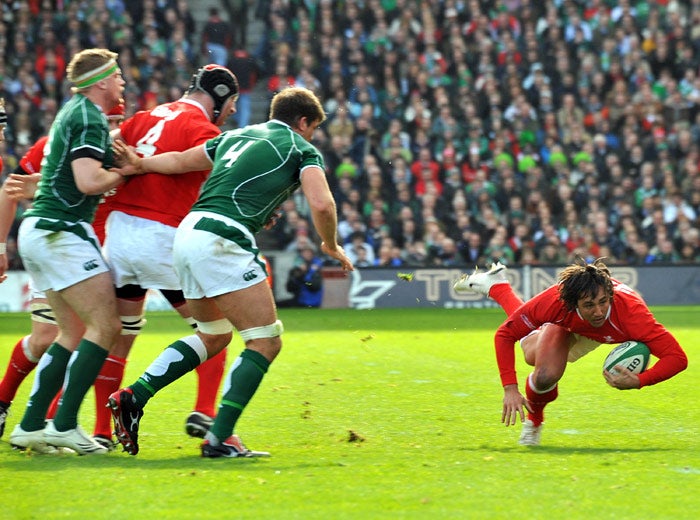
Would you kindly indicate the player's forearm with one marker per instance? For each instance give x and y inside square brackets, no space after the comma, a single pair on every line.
[505,357]
[665,368]
[326,223]
[166,163]
[171,163]
[98,182]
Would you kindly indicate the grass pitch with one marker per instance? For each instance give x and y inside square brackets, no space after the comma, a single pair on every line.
[383,414]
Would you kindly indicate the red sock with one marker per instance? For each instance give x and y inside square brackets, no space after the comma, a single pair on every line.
[51,412]
[18,368]
[210,374]
[538,401]
[108,381]
[505,296]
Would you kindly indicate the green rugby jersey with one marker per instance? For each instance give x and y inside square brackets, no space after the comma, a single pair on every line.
[256,168]
[80,130]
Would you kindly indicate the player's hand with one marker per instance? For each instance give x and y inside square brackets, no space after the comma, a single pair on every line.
[514,404]
[273,219]
[128,161]
[21,187]
[339,254]
[623,379]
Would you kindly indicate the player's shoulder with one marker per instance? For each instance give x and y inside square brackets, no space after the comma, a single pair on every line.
[626,300]
[625,292]
[74,110]
[550,293]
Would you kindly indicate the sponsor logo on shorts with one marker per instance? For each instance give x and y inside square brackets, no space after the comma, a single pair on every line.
[250,275]
[90,265]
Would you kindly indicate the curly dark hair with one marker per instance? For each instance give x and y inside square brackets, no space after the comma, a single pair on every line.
[584,280]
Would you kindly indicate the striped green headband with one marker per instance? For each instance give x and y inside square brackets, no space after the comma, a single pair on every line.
[90,78]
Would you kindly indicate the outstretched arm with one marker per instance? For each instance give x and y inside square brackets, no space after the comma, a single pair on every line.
[323,213]
[194,159]
[21,187]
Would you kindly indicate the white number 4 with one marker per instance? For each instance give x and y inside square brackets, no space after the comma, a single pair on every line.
[233,153]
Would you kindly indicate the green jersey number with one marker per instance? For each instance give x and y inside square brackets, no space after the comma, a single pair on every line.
[233,153]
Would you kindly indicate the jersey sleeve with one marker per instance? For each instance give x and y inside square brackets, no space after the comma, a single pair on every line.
[644,327]
[544,307]
[211,145]
[310,156]
[31,161]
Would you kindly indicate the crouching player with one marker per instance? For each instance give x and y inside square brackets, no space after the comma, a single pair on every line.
[563,323]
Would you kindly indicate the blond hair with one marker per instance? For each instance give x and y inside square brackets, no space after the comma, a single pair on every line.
[90,66]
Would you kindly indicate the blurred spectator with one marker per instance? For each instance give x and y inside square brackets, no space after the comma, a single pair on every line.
[357,247]
[244,67]
[216,38]
[592,108]
[238,17]
[305,280]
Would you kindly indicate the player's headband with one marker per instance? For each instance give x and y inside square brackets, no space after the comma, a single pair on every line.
[91,77]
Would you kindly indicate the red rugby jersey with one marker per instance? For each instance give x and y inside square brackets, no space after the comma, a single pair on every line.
[171,127]
[629,319]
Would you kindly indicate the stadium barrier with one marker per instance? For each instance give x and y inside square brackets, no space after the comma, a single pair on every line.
[370,288]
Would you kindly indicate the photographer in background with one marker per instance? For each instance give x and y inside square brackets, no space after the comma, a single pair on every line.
[305,281]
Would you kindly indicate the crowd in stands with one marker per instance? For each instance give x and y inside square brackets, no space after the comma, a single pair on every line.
[459,132]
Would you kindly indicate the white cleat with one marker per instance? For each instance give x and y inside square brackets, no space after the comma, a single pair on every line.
[481,283]
[34,441]
[75,439]
[530,435]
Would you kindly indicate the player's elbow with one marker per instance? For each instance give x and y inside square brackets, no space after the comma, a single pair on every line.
[322,207]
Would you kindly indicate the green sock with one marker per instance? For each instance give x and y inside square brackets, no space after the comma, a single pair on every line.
[81,374]
[174,362]
[50,373]
[244,378]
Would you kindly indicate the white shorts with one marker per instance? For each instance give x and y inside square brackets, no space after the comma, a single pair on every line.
[58,254]
[34,293]
[140,252]
[582,345]
[215,255]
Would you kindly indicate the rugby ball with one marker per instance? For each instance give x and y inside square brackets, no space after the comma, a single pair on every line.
[633,355]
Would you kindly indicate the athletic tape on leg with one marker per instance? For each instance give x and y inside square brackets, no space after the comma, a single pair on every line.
[132,325]
[268,331]
[222,326]
[42,313]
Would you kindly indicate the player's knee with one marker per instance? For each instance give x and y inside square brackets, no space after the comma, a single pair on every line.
[216,335]
[265,339]
[215,343]
[544,379]
[268,347]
